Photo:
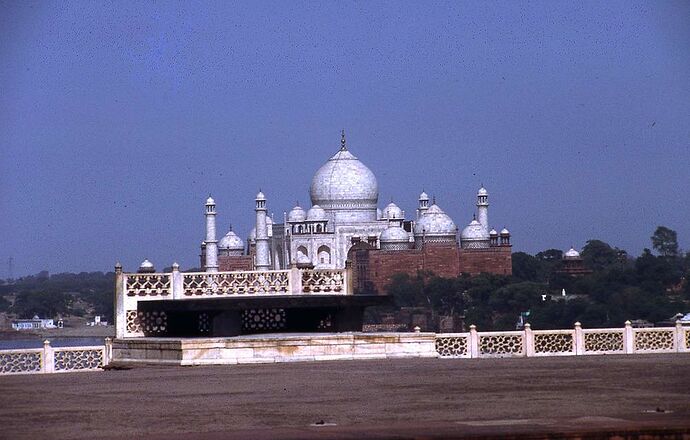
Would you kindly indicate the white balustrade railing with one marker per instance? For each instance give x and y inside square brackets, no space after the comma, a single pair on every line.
[51,359]
[472,344]
[180,285]
[235,283]
[578,341]
[131,288]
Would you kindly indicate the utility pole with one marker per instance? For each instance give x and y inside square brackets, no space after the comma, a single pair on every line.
[10,270]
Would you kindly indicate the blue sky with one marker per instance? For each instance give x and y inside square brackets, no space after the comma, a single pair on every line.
[118,119]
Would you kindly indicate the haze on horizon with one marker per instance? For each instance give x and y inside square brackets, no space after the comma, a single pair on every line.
[117,120]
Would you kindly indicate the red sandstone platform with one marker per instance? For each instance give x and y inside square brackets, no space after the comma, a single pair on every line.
[560,397]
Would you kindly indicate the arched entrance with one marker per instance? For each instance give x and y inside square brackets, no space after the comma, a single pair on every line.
[358,255]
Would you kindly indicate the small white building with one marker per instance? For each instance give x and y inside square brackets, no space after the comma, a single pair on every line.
[34,323]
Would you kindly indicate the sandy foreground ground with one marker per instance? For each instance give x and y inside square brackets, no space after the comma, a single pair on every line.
[405,398]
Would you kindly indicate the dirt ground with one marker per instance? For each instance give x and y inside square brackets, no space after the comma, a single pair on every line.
[405,398]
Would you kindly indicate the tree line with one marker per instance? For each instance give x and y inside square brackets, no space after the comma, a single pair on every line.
[651,287]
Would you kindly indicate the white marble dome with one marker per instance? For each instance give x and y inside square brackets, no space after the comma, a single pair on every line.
[394,234]
[146,264]
[344,183]
[473,231]
[505,231]
[571,254]
[210,201]
[297,214]
[435,222]
[394,238]
[316,213]
[231,241]
[474,236]
[392,212]
[482,192]
[424,196]
[493,233]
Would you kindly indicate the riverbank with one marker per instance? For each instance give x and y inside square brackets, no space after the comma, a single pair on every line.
[82,335]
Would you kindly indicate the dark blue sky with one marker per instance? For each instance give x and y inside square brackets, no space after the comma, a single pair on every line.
[117,119]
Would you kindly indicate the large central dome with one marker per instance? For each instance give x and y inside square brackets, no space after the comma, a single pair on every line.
[345,187]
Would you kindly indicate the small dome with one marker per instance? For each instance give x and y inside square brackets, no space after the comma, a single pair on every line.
[435,222]
[210,201]
[505,231]
[493,233]
[297,214]
[146,267]
[571,254]
[423,196]
[394,234]
[260,196]
[231,241]
[392,211]
[316,213]
[473,231]
[482,192]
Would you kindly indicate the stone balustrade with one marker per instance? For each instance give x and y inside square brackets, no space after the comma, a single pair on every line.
[181,285]
[51,359]
[578,341]
[131,288]
[472,344]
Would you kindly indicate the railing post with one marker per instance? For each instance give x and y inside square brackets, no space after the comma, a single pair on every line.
[177,282]
[474,342]
[529,340]
[48,358]
[295,280]
[628,338]
[349,278]
[107,351]
[120,313]
[579,339]
[680,337]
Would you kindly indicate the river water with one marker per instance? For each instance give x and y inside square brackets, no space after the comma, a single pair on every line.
[14,344]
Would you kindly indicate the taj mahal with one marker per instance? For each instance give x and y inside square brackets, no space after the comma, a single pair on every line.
[345,224]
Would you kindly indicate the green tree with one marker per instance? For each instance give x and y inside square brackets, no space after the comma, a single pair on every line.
[598,255]
[665,242]
[526,267]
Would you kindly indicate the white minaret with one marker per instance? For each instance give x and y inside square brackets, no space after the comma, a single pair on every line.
[262,248]
[211,242]
[483,208]
[423,204]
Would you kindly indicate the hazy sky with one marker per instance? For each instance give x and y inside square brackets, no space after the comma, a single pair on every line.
[118,119]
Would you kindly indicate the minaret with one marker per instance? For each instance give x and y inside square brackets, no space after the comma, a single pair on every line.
[211,242]
[483,208]
[262,247]
[423,204]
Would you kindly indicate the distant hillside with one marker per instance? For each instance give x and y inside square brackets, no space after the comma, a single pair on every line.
[85,294]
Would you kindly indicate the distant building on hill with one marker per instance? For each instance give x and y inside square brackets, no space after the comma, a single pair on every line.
[573,264]
[34,323]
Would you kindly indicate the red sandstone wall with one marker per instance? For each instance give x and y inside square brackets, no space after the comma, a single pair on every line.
[496,260]
[228,263]
[441,260]
[444,261]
